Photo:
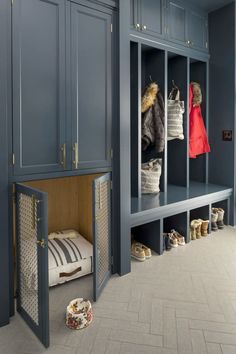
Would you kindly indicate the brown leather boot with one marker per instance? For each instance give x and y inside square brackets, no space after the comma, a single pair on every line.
[198,224]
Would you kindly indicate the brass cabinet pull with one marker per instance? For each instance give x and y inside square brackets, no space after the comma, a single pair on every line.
[63,161]
[41,243]
[75,149]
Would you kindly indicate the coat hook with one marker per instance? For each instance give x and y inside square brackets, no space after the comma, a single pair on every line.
[174,85]
[150,77]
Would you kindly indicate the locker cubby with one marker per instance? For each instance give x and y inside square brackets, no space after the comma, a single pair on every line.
[179,222]
[153,70]
[150,234]
[198,166]
[177,149]
[203,213]
[224,204]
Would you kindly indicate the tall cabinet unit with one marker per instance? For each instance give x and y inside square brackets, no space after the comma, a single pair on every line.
[60,140]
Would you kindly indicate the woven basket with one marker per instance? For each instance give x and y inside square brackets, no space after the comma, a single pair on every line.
[79,314]
[150,176]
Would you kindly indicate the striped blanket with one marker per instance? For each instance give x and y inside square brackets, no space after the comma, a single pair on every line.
[65,251]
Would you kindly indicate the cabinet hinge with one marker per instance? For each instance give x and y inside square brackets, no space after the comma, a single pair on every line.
[111,185]
[206,45]
[111,154]
[111,28]
[13,159]
[12,1]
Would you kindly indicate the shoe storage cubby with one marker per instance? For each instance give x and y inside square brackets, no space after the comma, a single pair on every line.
[203,213]
[198,166]
[150,234]
[179,223]
[177,149]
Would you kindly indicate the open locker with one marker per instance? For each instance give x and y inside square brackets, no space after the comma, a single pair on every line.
[81,203]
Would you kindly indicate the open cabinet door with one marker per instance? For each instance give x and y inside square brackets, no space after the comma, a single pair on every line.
[101,232]
[32,260]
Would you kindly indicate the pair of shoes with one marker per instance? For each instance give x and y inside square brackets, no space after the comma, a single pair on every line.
[173,239]
[199,228]
[139,251]
[217,219]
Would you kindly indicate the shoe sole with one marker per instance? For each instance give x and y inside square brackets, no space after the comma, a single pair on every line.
[138,259]
[148,257]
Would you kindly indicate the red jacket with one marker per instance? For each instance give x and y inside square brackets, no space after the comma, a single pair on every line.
[198,141]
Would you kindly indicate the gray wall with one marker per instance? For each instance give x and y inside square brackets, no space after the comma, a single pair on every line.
[222,98]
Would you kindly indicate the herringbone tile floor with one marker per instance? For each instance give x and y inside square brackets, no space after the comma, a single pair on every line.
[181,303]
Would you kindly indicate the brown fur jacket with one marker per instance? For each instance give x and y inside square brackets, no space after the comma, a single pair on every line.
[153,116]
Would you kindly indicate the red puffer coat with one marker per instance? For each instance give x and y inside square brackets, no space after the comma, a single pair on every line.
[198,141]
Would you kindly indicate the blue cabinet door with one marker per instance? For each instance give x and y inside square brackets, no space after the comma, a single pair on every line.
[134,16]
[198,30]
[152,17]
[38,30]
[91,92]
[32,259]
[177,22]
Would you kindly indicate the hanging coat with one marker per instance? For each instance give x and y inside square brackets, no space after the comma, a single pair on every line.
[153,117]
[198,141]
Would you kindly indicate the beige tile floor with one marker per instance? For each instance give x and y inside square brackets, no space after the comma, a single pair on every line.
[182,302]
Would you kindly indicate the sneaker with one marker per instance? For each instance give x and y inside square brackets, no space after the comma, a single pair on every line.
[172,240]
[166,242]
[180,239]
[137,252]
[147,251]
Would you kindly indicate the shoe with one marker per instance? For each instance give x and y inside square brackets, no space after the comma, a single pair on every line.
[180,239]
[198,224]
[147,251]
[193,230]
[204,227]
[166,242]
[172,240]
[214,219]
[137,252]
[220,221]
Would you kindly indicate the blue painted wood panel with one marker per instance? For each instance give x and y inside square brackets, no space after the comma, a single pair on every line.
[198,30]
[91,86]
[38,30]
[152,17]
[177,22]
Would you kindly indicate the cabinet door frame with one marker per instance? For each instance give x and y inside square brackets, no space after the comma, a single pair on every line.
[148,31]
[18,167]
[74,84]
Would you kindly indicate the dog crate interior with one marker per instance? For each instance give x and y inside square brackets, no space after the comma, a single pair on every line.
[223,204]
[150,235]
[69,207]
[179,223]
[201,213]
[198,165]
[153,71]
[177,148]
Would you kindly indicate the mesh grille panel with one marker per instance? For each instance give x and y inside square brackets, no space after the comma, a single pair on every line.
[28,257]
[102,196]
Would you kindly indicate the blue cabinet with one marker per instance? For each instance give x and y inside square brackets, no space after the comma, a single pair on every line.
[177,22]
[148,16]
[38,32]
[91,92]
[62,94]
[198,30]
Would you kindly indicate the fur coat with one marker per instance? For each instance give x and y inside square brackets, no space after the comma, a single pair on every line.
[153,116]
[198,141]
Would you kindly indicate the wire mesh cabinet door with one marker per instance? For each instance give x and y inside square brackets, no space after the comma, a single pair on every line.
[101,233]
[32,260]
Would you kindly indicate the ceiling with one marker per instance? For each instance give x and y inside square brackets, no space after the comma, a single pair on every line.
[211,5]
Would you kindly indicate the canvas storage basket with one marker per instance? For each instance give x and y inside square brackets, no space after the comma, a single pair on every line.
[79,314]
[175,111]
[150,176]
